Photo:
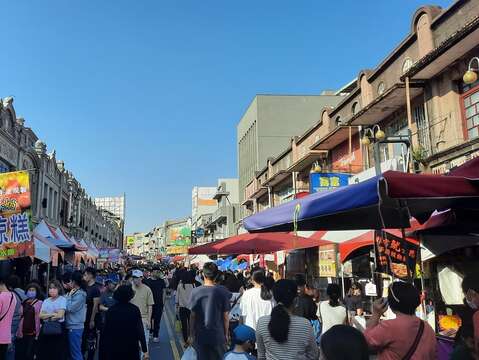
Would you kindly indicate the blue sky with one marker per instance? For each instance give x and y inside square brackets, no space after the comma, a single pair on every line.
[143,97]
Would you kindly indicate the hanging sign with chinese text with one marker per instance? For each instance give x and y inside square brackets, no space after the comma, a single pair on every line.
[396,256]
[15,215]
[319,182]
[327,260]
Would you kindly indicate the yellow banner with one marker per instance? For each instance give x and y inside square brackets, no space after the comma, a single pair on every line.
[15,216]
[176,250]
[327,260]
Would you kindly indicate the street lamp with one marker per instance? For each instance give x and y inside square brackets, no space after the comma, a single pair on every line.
[375,133]
[379,137]
[470,76]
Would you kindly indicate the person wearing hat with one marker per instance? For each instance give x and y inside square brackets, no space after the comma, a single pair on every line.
[244,338]
[143,299]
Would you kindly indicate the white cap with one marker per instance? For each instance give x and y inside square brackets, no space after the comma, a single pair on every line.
[137,273]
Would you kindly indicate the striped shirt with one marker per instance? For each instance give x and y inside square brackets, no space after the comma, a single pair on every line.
[300,345]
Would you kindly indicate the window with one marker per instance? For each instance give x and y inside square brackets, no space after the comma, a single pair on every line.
[471,112]
[381,88]
[355,108]
[338,120]
[406,65]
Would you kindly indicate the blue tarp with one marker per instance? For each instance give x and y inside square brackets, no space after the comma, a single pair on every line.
[351,207]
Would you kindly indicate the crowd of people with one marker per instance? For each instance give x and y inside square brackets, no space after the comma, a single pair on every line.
[223,315]
[255,317]
[82,316]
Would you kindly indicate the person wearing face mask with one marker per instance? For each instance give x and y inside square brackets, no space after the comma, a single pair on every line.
[470,287]
[76,315]
[51,342]
[29,327]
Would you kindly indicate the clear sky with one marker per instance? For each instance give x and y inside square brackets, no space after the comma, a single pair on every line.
[143,97]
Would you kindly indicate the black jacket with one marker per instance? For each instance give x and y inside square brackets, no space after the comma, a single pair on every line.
[122,333]
[304,306]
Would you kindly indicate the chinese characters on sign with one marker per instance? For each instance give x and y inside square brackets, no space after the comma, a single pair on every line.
[327,181]
[327,260]
[396,256]
[15,215]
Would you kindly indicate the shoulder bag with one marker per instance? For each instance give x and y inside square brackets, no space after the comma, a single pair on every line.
[415,344]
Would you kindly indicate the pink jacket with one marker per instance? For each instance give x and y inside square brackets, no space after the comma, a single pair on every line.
[38,307]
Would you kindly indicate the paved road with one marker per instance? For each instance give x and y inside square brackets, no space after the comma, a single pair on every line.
[171,344]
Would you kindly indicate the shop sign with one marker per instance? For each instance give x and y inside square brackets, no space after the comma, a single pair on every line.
[130,240]
[319,182]
[179,235]
[370,289]
[15,216]
[396,256]
[109,254]
[176,250]
[327,260]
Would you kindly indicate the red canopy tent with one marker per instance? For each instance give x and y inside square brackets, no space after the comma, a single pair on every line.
[351,241]
[260,243]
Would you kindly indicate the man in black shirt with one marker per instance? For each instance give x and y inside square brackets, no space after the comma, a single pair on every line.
[158,288]
[92,302]
[304,305]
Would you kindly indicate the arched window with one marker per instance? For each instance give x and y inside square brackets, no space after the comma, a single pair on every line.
[355,108]
[406,65]
[338,120]
[381,88]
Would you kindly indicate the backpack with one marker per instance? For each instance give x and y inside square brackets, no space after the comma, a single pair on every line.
[29,323]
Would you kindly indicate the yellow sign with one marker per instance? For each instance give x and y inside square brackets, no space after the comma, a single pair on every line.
[130,240]
[327,260]
[177,250]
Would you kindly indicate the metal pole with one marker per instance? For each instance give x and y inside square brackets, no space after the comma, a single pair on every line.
[48,275]
[377,158]
[409,120]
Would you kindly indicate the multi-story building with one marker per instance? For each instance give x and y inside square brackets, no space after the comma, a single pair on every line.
[223,221]
[268,124]
[57,197]
[417,91]
[113,208]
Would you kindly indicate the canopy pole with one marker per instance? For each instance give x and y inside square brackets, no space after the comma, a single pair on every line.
[342,280]
[48,276]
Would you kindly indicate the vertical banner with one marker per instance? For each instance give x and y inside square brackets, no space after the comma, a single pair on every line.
[327,260]
[15,216]
[396,256]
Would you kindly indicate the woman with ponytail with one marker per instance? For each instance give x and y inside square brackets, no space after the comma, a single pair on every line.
[332,312]
[282,335]
[257,301]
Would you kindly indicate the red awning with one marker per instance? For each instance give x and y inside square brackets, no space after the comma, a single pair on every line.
[350,241]
[261,243]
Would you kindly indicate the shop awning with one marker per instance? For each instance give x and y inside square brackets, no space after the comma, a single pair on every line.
[48,232]
[385,201]
[350,241]
[446,231]
[263,243]
[46,251]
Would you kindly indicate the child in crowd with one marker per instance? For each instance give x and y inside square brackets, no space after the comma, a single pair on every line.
[244,339]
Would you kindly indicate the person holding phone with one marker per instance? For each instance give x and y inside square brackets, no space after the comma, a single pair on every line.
[405,337]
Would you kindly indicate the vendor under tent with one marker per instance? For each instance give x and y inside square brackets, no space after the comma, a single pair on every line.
[385,201]
[263,243]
